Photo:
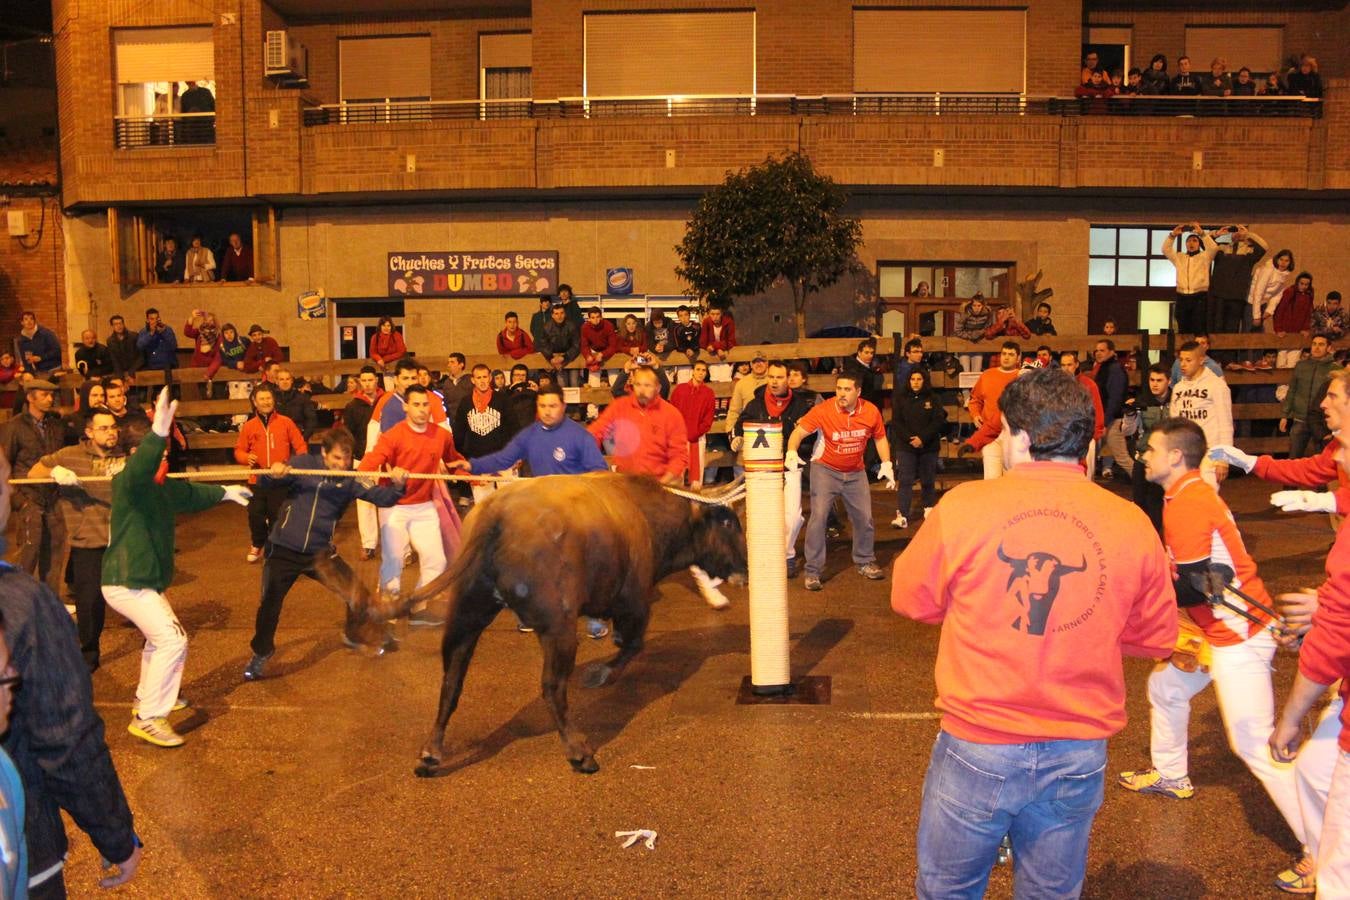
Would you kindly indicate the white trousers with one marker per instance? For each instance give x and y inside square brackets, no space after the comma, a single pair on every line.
[368,523]
[1313,769]
[993,459]
[416,524]
[165,648]
[792,510]
[1333,869]
[1241,676]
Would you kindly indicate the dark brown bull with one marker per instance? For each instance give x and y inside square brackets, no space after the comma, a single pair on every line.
[1034,585]
[559,547]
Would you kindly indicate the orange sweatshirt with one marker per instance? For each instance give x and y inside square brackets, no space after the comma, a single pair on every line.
[984,402]
[1198,526]
[1041,581]
[270,443]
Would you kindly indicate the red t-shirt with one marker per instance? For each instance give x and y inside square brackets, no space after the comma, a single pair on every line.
[1325,655]
[844,434]
[416,451]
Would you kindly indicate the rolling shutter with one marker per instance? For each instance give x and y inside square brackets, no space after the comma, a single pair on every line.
[505,51]
[1259,49]
[669,54]
[146,55]
[948,50]
[381,68]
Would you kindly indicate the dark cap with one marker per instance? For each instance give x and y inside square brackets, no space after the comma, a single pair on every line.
[759,355]
[255,328]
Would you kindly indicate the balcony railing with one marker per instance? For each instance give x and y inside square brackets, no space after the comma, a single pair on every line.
[930,104]
[172,129]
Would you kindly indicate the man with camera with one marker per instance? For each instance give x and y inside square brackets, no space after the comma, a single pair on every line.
[1192,264]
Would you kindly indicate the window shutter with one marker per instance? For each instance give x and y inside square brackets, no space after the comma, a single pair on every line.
[1259,49]
[145,55]
[948,50]
[669,54]
[380,68]
[505,51]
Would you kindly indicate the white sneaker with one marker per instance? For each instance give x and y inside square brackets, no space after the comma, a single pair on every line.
[899,521]
[254,554]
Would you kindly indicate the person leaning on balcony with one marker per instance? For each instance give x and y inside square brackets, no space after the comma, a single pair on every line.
[1218,83]
[201,262]
[1187,83]
[237,261]
[386,344]
[1154,80]
[1243,85]
[1304,80]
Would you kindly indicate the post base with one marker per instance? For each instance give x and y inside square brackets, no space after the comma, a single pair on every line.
[809,690]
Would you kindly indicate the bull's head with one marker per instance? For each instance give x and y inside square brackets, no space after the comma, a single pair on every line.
[719,543]
[1034,585]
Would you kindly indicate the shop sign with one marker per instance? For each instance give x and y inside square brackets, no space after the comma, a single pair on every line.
[478,273]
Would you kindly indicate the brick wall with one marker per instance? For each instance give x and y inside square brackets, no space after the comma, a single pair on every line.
[33,276]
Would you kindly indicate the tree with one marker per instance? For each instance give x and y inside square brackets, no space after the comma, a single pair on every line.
[779,219]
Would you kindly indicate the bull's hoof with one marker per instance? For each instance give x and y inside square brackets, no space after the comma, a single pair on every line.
[596,675]
[426,771]
[586,765]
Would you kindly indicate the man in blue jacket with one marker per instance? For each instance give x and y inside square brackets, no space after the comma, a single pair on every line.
[1112,384]
[304,532]
[39,348]
[552,445]
[157,343]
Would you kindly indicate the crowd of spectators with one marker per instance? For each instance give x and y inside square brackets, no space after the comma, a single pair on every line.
[202,261]
[1097,83]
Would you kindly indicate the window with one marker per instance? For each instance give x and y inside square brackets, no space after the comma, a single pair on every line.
[1259,49]
[385,70]
[924,296]
[166,91]
[504,64]
[669,54]
[193,245]
[926,50]
[1129,256]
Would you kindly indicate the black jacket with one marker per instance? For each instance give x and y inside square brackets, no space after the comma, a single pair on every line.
[564,339]
[314,505]
[869,379]
[24,444]
[478,434]
[757,411]
[93,361]
[1155,82]
[356,419]
[126,358]
[55,736]
[1188,85]
[522,403]
[687,336]
[918,414]
[1112,384]
[299,407]
[1231,277]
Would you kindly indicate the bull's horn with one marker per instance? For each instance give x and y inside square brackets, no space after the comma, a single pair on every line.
[1003,557]
[1081,567]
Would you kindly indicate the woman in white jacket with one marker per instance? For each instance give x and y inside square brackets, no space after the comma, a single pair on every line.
[1268,283]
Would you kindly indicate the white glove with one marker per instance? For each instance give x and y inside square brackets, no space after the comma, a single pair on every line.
[1304,501]
[791,461]
[64,477]
[736,444]
[1233,456]
[165,409]
[237,493]
[886,472]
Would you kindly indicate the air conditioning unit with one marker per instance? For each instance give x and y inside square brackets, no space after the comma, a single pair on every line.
[284,58]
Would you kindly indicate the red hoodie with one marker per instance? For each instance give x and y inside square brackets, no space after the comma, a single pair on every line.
[597,340]
[648,440]
[709,340]
[1294,312]
[1325,655]
[519,346]
[1041,581]
[698,404]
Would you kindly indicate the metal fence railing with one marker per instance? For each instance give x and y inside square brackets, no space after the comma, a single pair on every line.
[172,129]
[747,105]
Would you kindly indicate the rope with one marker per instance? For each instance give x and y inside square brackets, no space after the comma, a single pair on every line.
[732,494]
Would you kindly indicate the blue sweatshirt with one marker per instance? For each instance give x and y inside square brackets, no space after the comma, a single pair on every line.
[160,348]
[315,504]
[566,449]
[44,345]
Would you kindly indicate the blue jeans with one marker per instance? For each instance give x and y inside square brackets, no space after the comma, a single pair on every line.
[1044,795]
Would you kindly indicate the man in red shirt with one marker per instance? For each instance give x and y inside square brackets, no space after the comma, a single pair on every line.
[649,434]
[1042,581]
[845,425]
[420,447]
[718,333]
[267,438]
[598,339]
[1200,533]
[1068,361]
[512,341]
[983,406]
[697,403]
